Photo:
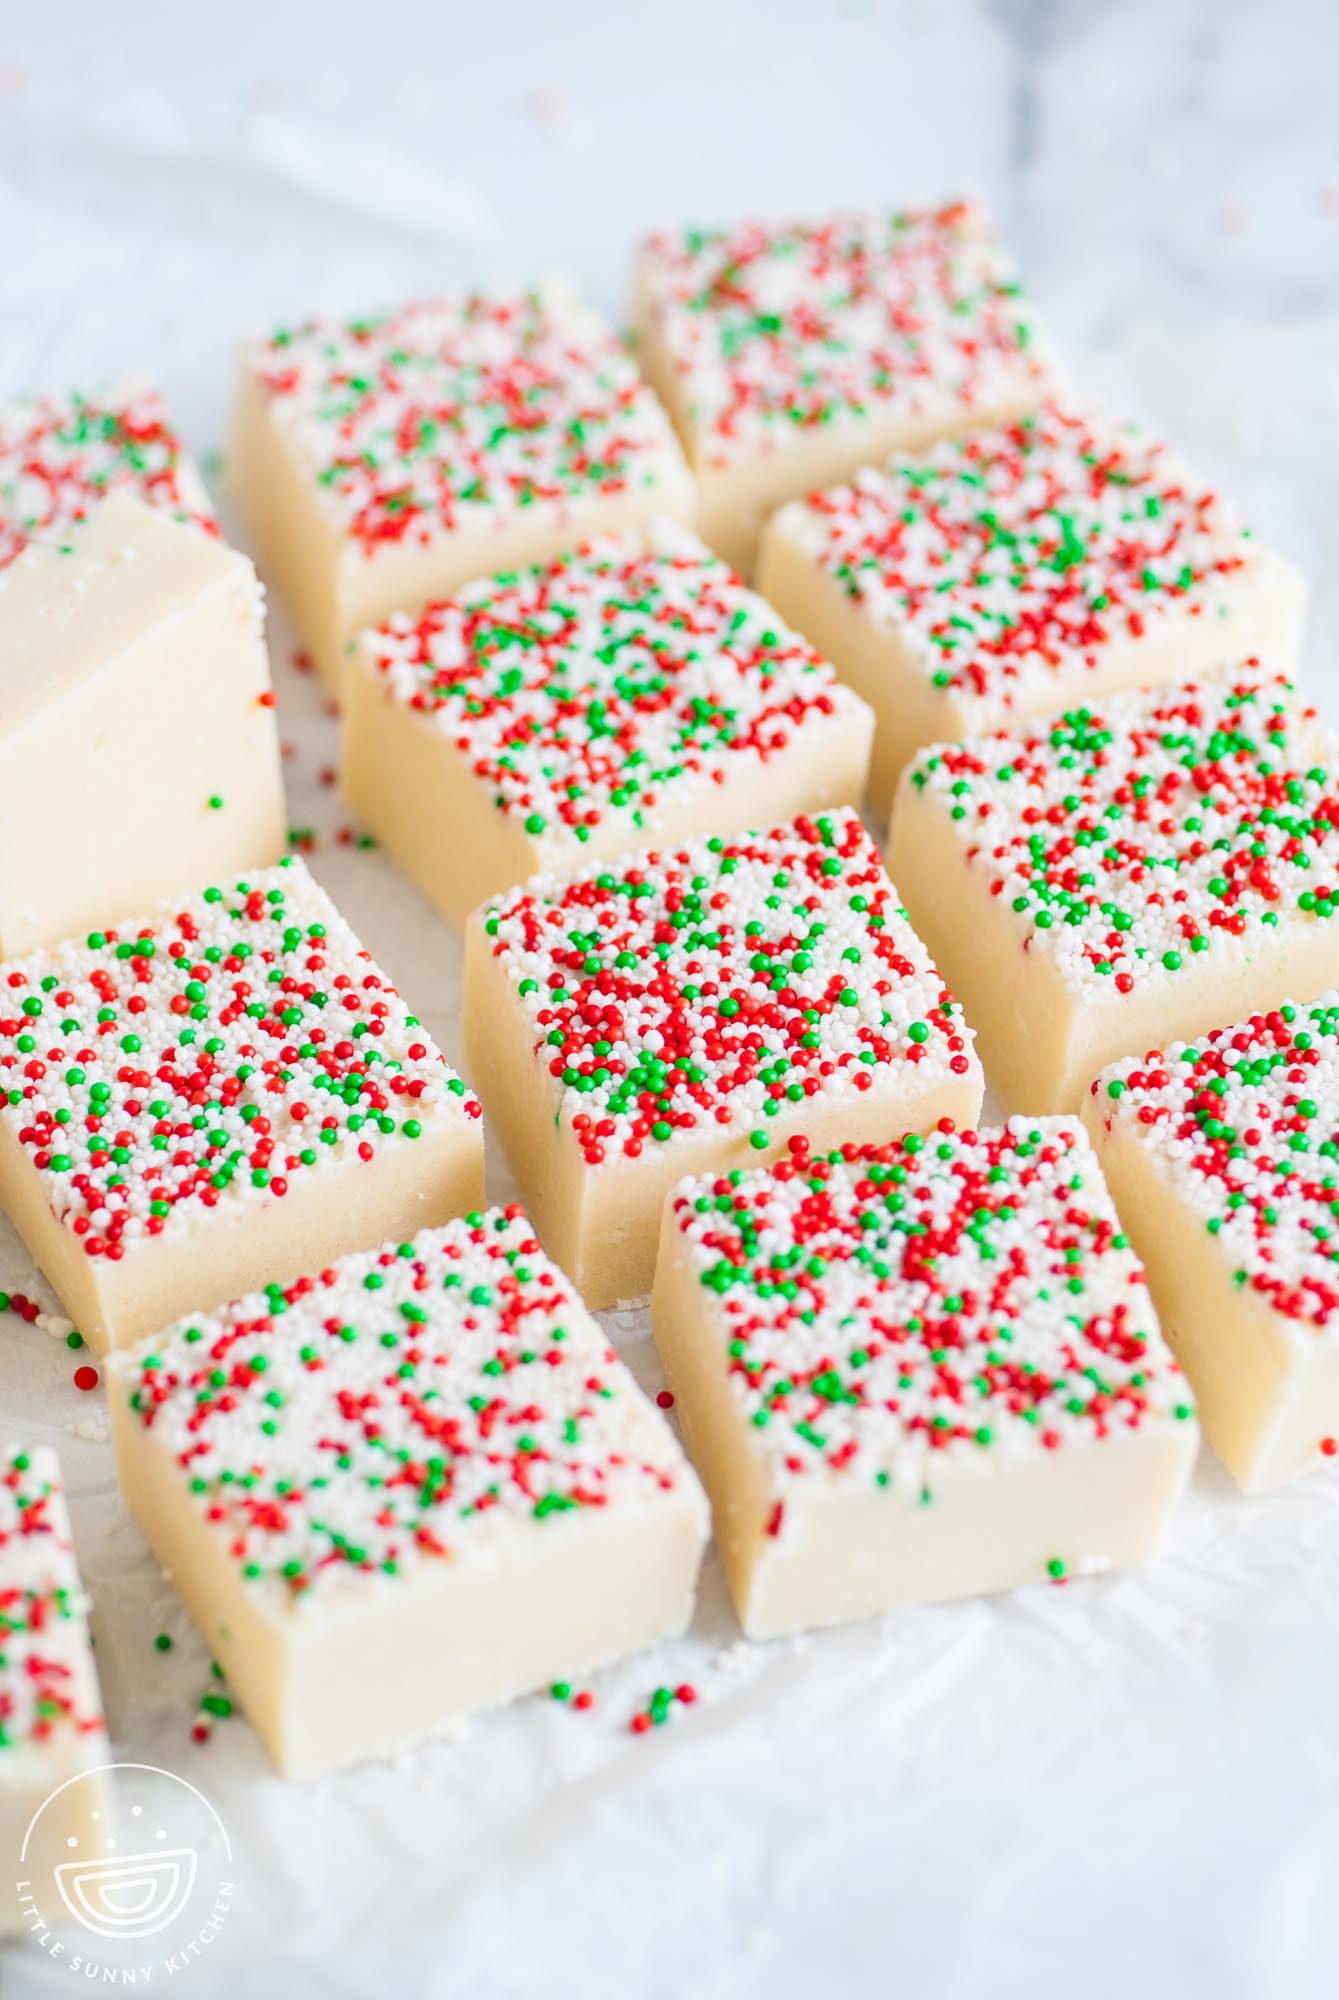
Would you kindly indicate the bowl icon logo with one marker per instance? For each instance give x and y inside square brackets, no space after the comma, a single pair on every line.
[133,1857]
[128,1895]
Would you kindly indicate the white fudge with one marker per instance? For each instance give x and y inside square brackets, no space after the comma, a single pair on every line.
[1053,561]
[227,1092]
[1223,1157]
[634,692]
[418,1484]
[918,1371]
[1122,876]
[676,1012]
[61,456]
[138,751]
[790,353]
[384,462]
[51,1722]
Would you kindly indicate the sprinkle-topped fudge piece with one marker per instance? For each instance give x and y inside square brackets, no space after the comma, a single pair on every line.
[790,353]
[51,1720]
[690,1010]
[138,749]
[918,1371]
[60,456]
[1223,1156]
[1007,572]
[227,1092]
[384,462]
[1118,877]
[415,1485]
[630,693]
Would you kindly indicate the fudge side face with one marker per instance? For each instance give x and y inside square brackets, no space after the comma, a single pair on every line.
[132,645]
[61,455]
[1124,875]
[678,1010]
[627,693]
[1224,1157]
[421,1475]
[51,1721]
[445,441]
[918,1371]
[791,353]
[1010,571]
[230,1082]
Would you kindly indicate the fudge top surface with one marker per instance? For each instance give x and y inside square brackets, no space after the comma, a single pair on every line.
[776,329]
[457,414]
[1131,838]
[723,983]
[1245,1124]
[48,1692]
[408,1406]
[586,690]
[1009,561]
[60,455]
[217,1053]
[888,1312]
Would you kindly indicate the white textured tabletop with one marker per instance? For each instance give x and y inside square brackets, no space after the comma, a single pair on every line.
[1125,1785]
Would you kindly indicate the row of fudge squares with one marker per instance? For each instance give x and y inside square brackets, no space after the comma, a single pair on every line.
[186,1102]
[906,1372]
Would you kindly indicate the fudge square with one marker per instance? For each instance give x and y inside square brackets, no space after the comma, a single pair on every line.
[677,1012]
[138,750]
[384,462]
[918,1371]
[788,354]
[1121,876]
[228,1092]
[1011,571]
[1223,1156]
[51,1721]
[60,456]
[418,1484]
[632,692]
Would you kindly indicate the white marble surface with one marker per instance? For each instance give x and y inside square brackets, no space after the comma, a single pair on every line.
[1118,1787]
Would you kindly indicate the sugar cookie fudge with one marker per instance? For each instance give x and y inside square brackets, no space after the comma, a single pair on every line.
[227,1092]
[418,1484]
[1118,877]
[51,1721]
[1058,559]
[632,692]
[790,353]
[689,1010]
[1222,1155]
[138,750]
[384,462]
[60,456]
[918,1371]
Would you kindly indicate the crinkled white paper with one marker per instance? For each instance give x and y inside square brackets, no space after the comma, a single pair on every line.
[1117,1786]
